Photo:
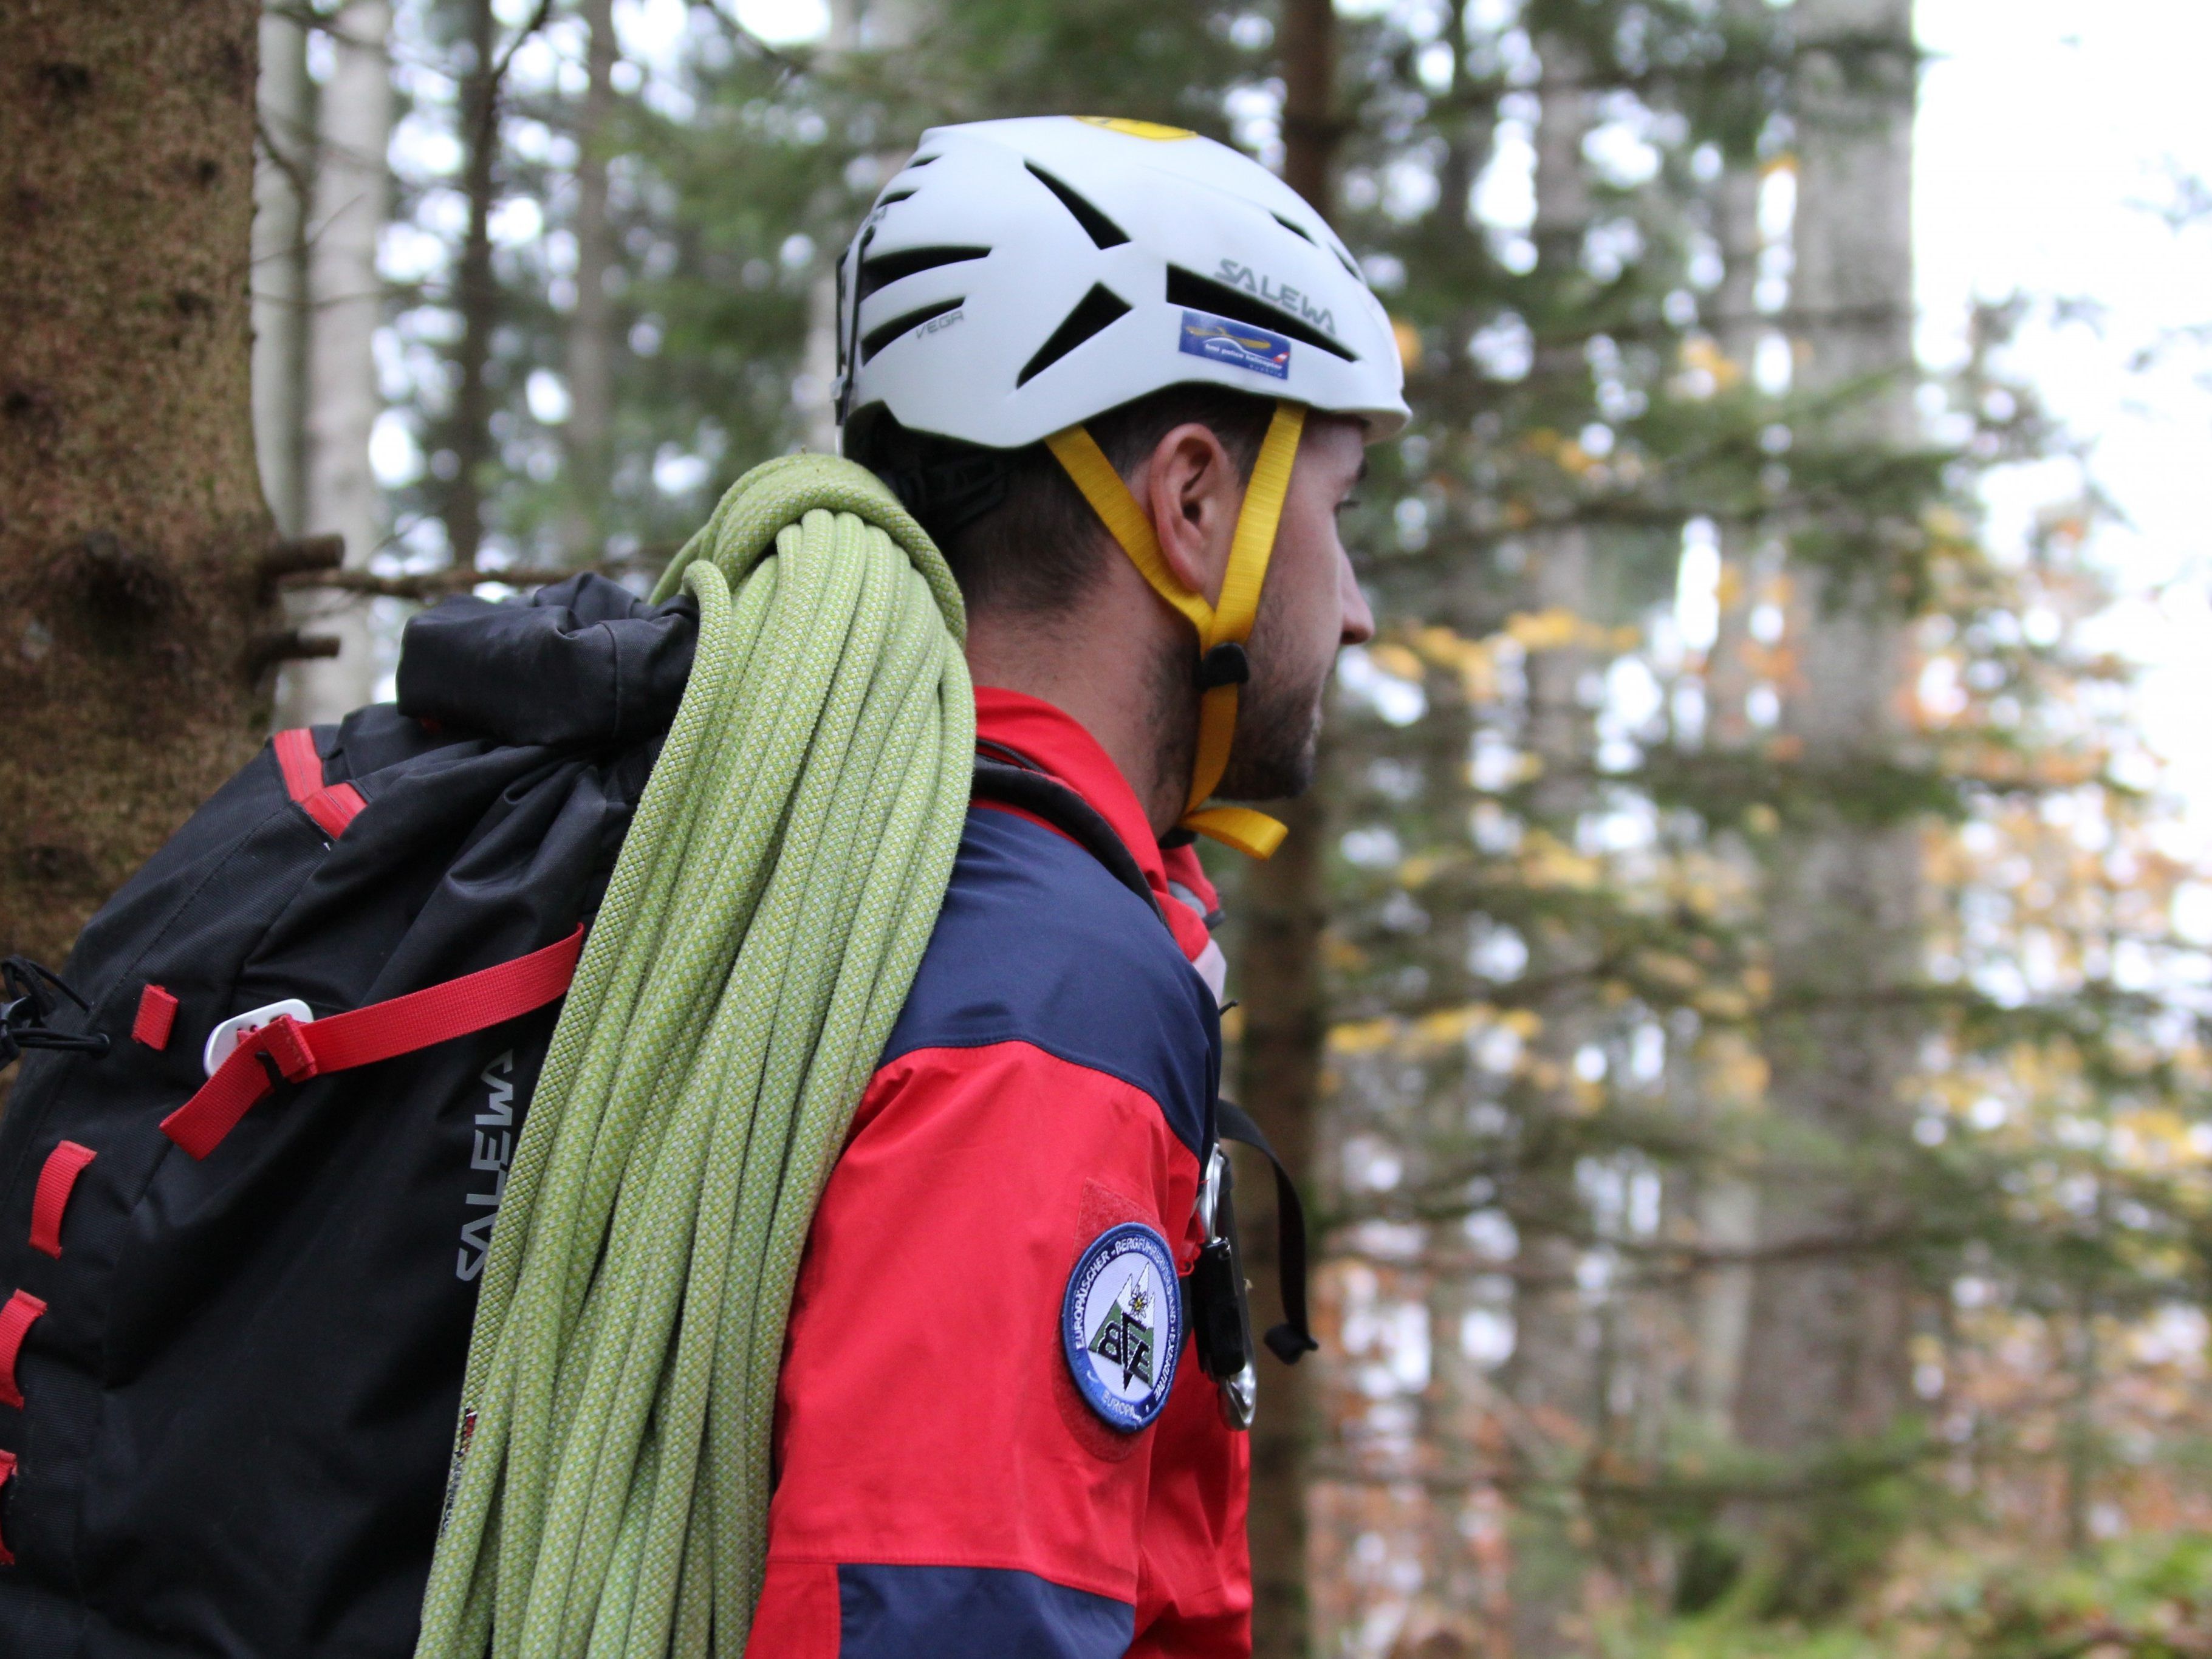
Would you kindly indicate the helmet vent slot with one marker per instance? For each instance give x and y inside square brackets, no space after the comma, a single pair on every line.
[1098,310]
[1101,230]
[888,268]
[1203,294]
[877,338]
[1295,230]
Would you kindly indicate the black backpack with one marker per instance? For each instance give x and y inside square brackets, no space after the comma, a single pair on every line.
[234,1310]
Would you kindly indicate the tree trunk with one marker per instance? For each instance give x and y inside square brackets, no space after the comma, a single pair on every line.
[352,191]
[1832,1330]
[1736,330]
[475,292]
[817,381]
[283,178]
[131,511]
[1552,1375]
[1279,972]
[882,26]
[592,325]
[1285,901]
[1727,1206]
[814,390]
[1458,1406]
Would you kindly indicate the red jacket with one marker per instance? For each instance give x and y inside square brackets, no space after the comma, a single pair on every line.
[992,1435]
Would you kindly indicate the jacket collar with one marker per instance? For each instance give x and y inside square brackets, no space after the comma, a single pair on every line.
[1055,742]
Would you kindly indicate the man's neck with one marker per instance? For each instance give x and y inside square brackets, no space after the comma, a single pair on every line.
[1098,665]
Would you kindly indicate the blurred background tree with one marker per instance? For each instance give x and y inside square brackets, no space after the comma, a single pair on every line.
[1726,1004]
[134,543]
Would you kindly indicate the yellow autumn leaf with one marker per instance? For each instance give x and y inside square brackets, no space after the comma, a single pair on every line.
[1394,660]
[1446,1026]
[1667,969]
[1546,861]
[1409,340]
[1362,1036]
[1543,630]
[1419,871]
[1721,1003]
[1945,523]
[1701,351]
[1341,954]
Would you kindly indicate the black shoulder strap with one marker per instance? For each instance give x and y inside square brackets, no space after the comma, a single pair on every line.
[1292,1339]
[1068,812]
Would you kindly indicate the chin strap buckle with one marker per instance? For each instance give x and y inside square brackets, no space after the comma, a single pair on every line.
[1226,664]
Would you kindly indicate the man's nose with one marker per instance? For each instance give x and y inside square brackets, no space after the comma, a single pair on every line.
[1358,626]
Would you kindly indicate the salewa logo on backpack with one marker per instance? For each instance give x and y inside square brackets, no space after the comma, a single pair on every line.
[495,1151]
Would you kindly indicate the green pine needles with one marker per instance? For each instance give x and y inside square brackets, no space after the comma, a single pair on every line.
[758,937]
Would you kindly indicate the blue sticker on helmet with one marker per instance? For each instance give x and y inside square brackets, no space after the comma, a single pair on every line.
[1219,339]
[1120,1325]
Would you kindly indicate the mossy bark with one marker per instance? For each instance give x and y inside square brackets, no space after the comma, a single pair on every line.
[130,513]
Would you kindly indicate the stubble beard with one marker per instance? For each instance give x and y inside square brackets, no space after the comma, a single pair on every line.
[1279,714]
[1278,738]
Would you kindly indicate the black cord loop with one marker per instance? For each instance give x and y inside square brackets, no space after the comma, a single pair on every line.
[29,1005]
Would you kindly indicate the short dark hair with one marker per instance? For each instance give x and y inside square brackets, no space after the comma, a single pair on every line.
[1011,523]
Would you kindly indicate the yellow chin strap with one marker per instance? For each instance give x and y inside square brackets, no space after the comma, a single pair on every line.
[1229,623]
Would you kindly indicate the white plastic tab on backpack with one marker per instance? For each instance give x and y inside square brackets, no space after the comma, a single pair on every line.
[223,1041]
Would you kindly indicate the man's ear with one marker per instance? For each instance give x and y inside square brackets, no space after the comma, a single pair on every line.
[1190,487]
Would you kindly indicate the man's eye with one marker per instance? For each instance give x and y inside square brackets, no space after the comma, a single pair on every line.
[1349,502]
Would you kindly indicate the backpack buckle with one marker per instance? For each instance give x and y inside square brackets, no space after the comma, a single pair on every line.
[284,1041]
[233,1031]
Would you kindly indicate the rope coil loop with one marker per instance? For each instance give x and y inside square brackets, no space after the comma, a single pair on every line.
[771,903]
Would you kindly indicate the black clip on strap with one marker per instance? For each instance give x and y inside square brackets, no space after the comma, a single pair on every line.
[1292,1339]
[1225,665]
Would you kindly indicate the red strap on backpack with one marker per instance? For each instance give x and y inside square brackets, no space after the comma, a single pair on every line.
[436,1014]
[22,1311]
[7,1474]
[157,1017]
[50,1199]
[331,808]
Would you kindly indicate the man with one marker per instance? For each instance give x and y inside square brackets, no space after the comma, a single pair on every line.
[1061,335]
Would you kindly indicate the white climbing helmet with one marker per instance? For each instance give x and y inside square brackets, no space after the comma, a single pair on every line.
[1018,277]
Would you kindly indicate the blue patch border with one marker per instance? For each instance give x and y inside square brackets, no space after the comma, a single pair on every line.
[1205,334]
[1125,1415]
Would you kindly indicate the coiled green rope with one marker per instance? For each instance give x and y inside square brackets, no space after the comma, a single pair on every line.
[758,937]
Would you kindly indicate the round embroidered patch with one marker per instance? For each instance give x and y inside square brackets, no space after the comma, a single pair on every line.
[1121,1324]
